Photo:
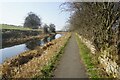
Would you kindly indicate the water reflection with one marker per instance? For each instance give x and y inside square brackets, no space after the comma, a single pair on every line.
[47,39]
[52,37]
[11,51]
[17,49]
[32,44]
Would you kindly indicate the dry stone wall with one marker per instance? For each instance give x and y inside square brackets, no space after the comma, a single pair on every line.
[106,60]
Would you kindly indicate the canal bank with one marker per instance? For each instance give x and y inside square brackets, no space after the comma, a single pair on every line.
[11,37]
[38,58]
[9,52]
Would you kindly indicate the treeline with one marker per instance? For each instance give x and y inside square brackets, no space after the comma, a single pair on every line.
[33,21]
[49,29]
[99,22]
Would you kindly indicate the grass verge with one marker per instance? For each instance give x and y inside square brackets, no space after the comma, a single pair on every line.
[86,56]
[12,27]
[48,69]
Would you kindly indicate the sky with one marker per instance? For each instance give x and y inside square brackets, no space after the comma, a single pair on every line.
[15,12]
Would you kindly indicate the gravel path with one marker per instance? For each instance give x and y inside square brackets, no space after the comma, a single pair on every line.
[70,64]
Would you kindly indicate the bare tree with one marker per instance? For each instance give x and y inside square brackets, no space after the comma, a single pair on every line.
[97,21]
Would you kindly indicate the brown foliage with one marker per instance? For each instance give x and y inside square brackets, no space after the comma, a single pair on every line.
[97,21]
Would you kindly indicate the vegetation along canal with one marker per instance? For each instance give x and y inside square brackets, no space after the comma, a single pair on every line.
[9,52]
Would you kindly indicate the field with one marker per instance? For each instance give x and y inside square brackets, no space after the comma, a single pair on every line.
[5,26]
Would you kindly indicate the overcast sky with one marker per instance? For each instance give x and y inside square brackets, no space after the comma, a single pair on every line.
[49,12]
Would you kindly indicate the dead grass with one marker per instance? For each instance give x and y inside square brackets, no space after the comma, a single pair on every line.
[30,63]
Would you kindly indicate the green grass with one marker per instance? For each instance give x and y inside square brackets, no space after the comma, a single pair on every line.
[86,56]
[47,70]
[12,27]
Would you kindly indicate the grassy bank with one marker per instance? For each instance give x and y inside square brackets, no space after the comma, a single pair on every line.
[13,27]
[35,63]
[13,35]
[48,69]
[86,56]
[16,41]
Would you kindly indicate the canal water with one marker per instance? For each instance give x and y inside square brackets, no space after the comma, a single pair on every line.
[9,52]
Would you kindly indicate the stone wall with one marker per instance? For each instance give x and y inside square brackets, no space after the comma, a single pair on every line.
[88,44]
[109,64]
[106,60]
